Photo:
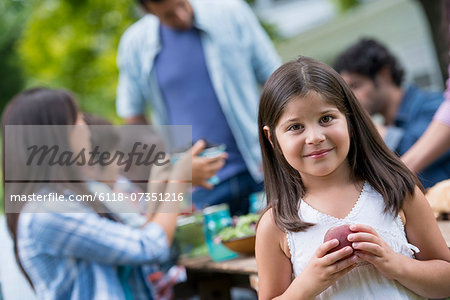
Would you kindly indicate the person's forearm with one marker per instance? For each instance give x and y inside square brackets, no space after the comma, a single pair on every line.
[168,211]
[136,120]
[429,278]
[290,294]
[432,144]
[296,290]
[168,222]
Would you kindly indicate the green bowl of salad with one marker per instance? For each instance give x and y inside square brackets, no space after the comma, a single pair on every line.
[241,236]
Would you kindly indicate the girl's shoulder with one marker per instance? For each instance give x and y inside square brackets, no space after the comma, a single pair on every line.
[266,224]
[267,230]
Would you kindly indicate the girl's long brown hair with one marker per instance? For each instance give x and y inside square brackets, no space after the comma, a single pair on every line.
[38,106]
[368,156]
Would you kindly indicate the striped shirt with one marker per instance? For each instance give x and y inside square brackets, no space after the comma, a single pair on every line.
[77,255]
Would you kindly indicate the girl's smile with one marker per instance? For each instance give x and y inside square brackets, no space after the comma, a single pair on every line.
[319,153]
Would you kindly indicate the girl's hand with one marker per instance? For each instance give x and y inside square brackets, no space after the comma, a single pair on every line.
[324,269]
[370,247]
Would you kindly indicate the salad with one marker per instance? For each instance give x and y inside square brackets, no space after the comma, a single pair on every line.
[241,227]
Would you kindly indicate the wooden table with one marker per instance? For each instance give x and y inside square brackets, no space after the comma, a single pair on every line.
[245,267]
[213,280]
[240,265]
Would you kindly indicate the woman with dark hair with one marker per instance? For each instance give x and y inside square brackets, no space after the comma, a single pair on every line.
[69,249]
[325,165]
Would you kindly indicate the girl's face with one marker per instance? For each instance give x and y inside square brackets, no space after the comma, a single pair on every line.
[313,136]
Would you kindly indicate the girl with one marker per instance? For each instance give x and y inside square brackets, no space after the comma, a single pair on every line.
[325,165]
[67,254]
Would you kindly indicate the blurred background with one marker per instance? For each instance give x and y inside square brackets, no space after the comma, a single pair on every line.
[73,43]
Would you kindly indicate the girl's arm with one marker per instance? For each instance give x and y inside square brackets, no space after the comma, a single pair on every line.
[275,269]
[427,275]
[430,274]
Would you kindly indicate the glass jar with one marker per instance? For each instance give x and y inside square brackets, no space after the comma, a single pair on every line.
[216,218]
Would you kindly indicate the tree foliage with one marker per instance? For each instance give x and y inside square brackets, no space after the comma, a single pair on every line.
[73,44]
[12,16]
[69,44]
[345,5]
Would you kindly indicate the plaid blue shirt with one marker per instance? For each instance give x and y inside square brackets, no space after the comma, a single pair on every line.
[77,255]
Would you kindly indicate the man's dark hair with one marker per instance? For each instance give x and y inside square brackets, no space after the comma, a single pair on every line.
[368,57]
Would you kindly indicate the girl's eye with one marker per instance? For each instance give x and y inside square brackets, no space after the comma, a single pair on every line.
[294,127]
[326,119]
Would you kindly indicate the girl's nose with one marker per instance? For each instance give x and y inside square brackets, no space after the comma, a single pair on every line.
[314,136]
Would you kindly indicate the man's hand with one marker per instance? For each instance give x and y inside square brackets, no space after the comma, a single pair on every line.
[203,168]
[136,120]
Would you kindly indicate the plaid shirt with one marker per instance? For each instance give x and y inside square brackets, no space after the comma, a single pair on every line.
[77,255]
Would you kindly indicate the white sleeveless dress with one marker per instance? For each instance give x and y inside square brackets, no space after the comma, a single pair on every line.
[364,281]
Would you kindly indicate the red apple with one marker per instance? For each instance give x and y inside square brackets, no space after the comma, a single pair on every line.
[340,233]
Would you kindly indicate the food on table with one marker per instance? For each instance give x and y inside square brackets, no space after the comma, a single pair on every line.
[242,226]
